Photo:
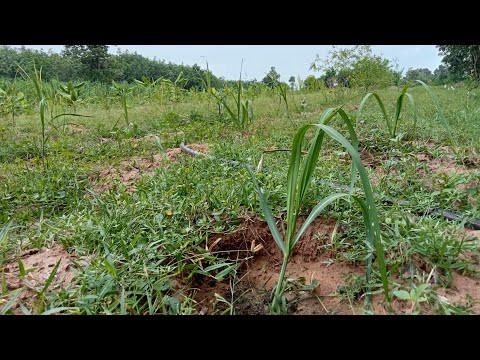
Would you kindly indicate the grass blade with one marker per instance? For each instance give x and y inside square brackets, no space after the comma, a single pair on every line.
[58,309]
[10,302]
[122,303]
[398,108]
[50,277]
[382,107]
[316,211]
[268,214]
[414,107]
[21,268]
[3,233]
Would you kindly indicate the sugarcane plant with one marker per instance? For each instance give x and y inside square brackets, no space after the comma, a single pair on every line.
[45,102]
[298,180]
[242,114]
[393,125]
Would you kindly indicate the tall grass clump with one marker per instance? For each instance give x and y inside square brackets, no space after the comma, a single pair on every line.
[242,113]
[45,101]
[299,177]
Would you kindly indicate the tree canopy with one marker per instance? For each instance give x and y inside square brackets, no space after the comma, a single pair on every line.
[94,63]
[462,61]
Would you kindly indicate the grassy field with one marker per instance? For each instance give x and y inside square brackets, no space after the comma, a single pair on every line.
[140,227]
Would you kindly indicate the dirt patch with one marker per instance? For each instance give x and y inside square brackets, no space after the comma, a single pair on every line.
[463,291]
[369,159]
[441,165]
[130,171]
[339,289]
[261,266]
[76,129]
[38,266]
[445,165]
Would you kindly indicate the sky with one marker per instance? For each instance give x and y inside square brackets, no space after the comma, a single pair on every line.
[288,60]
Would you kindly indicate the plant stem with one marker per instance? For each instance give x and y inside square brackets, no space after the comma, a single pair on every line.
[279,289]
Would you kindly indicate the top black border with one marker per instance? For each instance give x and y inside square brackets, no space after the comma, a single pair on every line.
[245,24]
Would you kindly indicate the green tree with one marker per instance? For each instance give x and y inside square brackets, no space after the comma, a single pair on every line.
[441,75]
[93,57]
[311,83]
[291,80]
[419,74]
[354,66]
[272,78]
[370,72]
[461,60]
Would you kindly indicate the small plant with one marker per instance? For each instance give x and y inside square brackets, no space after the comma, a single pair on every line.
[416,295]
[282,91]
[12,102]
[71,93]
[392,127]
[243,115]
[298,181]
[44,102]
[122,92]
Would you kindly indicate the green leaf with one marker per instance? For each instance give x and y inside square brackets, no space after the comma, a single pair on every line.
[316,211]
[110,268]
[215,266]
[69,114]
[382,107]
[421,288]
[58,309]
[122,303]
[9,304]
[3,233]
[402,294]
[50,277]
[21,268]
[268,214]
[310,286]
[221,275]
[373,223]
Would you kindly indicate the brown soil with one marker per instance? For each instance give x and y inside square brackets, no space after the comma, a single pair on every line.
[369,159]
[253,245]
[261,267]
[130,171]
[38,265]
[76,129]
[445,165]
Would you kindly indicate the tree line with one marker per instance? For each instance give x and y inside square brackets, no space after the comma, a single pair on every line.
[95,63]
[347,67]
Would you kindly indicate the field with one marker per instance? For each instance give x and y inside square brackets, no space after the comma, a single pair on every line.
[106,214]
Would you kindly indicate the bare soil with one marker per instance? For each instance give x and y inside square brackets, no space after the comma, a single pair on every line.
[336,293]
[130,171]
[38,266]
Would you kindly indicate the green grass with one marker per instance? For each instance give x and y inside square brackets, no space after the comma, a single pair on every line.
[134,247]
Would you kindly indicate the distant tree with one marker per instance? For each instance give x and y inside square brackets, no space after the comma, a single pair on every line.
[93,57]
[441,75]
[292,82]
[272,78]
[355,66]
[330,77]
[423,74]
[461,60]
[311,83]
[370,72]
